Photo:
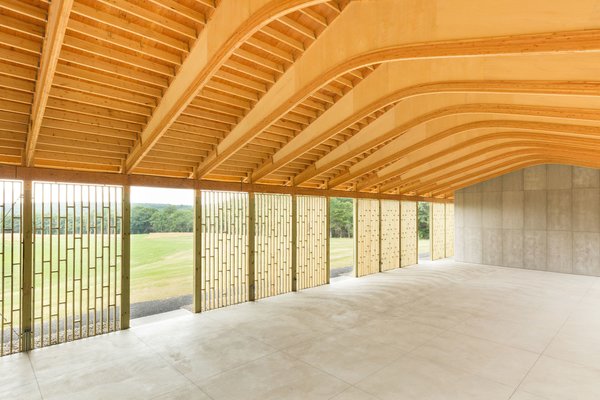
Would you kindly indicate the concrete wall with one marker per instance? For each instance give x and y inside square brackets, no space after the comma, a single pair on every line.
[544,217]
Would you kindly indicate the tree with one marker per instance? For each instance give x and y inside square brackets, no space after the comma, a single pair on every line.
[341,210]
[423,220]
[141,219]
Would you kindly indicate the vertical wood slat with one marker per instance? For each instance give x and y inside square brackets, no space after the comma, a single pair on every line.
[390,234]
[449,230]
[197,305]
[408,233]
[273,242]
[222,253]
[328,238]
[438,231]
[251,246]
[367,239]
[294,267]
[312,241]
[27,278]
[126,259]
[77,261]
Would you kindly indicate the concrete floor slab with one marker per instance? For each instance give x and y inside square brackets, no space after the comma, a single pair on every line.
[439,330]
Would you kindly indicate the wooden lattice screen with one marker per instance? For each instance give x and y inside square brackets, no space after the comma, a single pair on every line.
[224,249]
[312,237]
[11,205]
[390,234]
[438,231]
[408,233]
[272,244]
[449,230]
[76,261]
[367,236]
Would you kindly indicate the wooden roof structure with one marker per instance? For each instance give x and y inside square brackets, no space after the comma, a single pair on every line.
[410,97]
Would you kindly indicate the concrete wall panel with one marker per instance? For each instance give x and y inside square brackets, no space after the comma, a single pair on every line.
[473,245]
[512,210]
[560,251]
[544,217]
[586,210]
[492,210]
[586,253]
[586,178]
[534,249]
[492,246]
[534,214]
[512,248]
[559,210]
[534,178]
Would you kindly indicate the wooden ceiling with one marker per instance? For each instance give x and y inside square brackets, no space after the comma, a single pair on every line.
[386,96]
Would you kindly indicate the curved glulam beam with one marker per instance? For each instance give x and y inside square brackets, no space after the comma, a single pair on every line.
[402,30]
[58,17]
[396,81]
[419,110]
[408,143]
[453,171]
[474,147]
[232,23]
[533,159]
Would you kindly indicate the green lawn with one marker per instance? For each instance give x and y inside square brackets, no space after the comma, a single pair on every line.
[424,246]
[161,265]
[342,252]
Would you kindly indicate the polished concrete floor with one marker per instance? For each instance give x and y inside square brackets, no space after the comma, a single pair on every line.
[441,330]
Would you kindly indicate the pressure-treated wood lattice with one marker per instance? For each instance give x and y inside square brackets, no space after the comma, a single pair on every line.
[390,234]
[76,261]
[408,233]
[438,231]
[273,244]
[312,237]
[11,258]
[367,237]
[449,230]
[224,249]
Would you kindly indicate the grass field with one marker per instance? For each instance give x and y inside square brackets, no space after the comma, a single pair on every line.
[342,252]
[162,264]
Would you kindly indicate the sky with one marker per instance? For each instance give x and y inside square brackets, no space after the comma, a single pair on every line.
[162,196]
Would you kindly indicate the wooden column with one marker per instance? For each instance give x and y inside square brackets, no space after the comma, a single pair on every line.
[126,258]
[197,295]
[251,249]
[380,235]
[294,243]
[328,239]
[27,304]
[355,226]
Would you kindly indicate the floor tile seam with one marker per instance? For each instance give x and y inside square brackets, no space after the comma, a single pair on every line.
[171,366]
[459,368]
[545,349]
[405,354]
[207,379]
[37,382]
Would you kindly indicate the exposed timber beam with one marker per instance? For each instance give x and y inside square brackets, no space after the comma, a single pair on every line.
[494,34]
[230,26]
[415,141]
[55,175]
[58,17]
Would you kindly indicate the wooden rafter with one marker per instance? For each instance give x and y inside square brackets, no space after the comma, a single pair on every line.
[58,17]
[215,44]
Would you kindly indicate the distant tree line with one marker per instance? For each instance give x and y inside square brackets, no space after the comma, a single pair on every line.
[149,218]
[424,209]
[341,223]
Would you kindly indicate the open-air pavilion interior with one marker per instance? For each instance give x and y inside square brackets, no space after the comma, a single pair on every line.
[487,111]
